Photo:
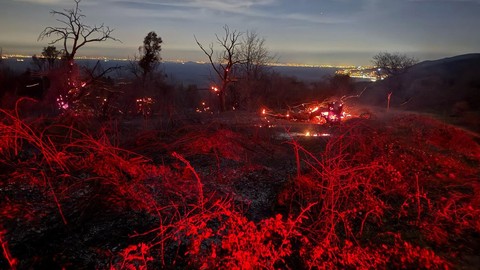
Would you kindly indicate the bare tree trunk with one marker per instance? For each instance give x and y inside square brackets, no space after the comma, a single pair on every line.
[223,68]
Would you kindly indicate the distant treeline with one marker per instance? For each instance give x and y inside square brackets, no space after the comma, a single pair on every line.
[188,73]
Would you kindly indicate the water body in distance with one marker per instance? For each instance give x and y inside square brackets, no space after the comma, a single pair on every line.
[186,73]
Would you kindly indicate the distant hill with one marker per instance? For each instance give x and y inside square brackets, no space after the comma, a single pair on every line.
[445,86]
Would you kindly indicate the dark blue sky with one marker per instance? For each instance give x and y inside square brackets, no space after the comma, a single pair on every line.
[297,31]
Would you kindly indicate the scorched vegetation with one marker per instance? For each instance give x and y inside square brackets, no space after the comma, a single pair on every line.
[394,191]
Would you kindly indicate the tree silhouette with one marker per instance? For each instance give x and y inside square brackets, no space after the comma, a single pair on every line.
[50,53]
[225,61]
[253,55]
[392,63]
[150,51]
[252,70]
[73,32]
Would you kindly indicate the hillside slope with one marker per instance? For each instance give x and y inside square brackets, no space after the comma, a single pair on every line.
[447,86]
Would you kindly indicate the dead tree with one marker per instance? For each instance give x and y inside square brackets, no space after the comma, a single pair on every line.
[225,61]
[392,64]
[253,69]
[74,33]
[253,56]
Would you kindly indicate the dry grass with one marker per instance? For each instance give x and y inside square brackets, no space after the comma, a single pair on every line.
[396,194]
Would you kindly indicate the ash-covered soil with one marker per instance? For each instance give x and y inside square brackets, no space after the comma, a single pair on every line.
[404,189]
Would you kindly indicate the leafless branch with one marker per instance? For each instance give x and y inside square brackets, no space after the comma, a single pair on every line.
[209,54]
[344,98]
[94,76]
[74,32]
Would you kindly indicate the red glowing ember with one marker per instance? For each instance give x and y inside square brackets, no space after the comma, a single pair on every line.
[145,106]
[314,112]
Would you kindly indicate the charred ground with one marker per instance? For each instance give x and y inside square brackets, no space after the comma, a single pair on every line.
[397,190]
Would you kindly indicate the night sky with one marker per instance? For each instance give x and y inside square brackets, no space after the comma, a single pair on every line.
[300,31]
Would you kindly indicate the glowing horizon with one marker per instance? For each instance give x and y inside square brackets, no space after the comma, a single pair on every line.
[302,32]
